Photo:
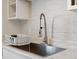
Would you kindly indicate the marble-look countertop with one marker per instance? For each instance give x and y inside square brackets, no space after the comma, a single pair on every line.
[69,53]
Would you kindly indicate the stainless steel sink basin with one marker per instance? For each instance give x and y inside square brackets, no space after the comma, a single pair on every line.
[40,49]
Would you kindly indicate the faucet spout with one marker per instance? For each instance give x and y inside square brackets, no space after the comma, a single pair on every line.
[45,28]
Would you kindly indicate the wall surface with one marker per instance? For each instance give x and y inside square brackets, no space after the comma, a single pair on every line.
[64,25]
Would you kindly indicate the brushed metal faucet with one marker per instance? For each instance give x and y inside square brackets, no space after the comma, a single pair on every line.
[45,28]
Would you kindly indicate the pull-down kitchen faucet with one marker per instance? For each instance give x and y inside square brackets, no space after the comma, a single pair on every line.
[45,28]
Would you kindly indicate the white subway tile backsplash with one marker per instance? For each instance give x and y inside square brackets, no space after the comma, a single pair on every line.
[65,36]
[65,23]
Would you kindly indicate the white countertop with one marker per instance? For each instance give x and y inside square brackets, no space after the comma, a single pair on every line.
[69,53]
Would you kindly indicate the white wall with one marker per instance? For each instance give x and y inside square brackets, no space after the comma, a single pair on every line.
[64,24]
[64,20]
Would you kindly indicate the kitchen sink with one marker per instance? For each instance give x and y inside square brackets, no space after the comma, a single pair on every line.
[40,49]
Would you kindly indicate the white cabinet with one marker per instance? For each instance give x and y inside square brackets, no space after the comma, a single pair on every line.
[19,9]
[71,4]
